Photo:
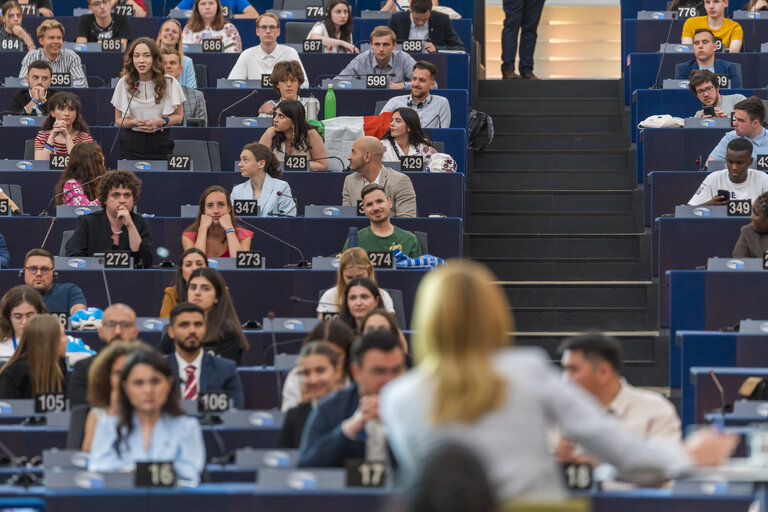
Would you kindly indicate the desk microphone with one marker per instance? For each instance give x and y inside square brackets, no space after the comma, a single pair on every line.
[133,93]
[295,201]
[24,478]
[50,226]
[303,263]
[44,213]
[297,300]
[252,93]
[656,84]
[344,167]
[723,406]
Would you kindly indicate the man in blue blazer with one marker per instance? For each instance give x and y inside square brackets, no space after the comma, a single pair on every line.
[346,425]
[196,369]
[422,23]
[704,49]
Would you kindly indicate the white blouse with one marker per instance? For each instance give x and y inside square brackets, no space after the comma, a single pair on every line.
[319,29]
[143,105]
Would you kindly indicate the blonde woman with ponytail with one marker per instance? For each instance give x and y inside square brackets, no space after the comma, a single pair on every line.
[470,386]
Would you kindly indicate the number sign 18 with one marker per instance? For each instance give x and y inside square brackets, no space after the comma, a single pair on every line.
[578,476]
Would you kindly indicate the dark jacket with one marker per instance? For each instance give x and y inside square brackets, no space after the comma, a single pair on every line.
[94,234]
[78,404]
[227,347]
[293,426]
[750,244]
[15,381]
[22,97]
[441,31]
[722,67]
[323,444]
[216,374]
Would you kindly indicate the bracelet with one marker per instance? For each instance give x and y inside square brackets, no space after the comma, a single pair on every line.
[35,102]
[230,230]
[48,147]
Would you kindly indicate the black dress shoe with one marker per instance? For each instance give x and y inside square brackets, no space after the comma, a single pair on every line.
[509,75]
[528,76]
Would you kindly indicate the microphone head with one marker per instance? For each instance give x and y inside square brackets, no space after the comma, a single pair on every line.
[271,315]
[295,299]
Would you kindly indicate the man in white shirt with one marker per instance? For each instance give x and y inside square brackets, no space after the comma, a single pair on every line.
[593,361]
[748,118]
[259,60]
[737,178]
[434,111]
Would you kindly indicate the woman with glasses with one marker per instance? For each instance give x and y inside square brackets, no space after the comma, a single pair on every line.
[18,306]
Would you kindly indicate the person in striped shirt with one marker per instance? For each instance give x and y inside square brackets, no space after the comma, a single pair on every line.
[63,128]
[63,61]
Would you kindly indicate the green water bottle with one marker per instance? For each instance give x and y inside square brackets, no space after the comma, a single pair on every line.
[330,103]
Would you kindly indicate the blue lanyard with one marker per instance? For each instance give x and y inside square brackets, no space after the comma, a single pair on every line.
[14,341]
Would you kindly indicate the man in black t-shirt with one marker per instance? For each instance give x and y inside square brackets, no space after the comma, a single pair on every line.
[102,24]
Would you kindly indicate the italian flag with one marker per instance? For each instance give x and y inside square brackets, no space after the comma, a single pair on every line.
[341,133]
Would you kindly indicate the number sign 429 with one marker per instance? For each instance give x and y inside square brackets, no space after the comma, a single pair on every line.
[381,259]
[412,163]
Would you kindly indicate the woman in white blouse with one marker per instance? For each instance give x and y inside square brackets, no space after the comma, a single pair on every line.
[335,30]
[147,102]
[405,137]
[262,168]
[207,22]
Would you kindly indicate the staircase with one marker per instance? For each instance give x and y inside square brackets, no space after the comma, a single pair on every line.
[554,210]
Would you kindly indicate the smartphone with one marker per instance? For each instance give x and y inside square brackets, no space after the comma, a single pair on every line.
[709,111]
[724,194]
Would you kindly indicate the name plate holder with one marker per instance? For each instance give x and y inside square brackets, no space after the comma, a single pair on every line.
[309,479]
[31,120]
[685,211]
[312,211]
[289,324]
[325,263]
[248,122]
[753,327]
[260,458]
[735,264]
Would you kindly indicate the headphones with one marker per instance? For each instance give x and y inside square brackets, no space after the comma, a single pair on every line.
[418,106]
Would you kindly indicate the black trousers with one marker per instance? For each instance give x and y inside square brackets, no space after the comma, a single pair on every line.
[145,146]
[522,16]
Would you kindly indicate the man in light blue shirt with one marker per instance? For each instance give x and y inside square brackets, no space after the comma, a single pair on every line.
[748,117]
[382,59]
[433,111]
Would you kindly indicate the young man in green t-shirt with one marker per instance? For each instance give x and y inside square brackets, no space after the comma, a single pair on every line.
[382,235]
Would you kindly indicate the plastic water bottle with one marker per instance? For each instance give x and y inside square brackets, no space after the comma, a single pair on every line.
[330,104]
[352,237]
[312,107]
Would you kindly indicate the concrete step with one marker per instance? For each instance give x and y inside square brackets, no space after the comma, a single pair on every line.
[548,246]
[560,142]
[543,179]
[620,201]
[583,319]
[580,294]
[550,160]
[567,106]
[572,89]
[552,222]
[567,269]
[585,123]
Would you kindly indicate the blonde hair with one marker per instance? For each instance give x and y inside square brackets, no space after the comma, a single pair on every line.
[99,383]
[352,257]
[179,44]
[383,30]
[48,25]
[461,318]
[268,15]
[39,345]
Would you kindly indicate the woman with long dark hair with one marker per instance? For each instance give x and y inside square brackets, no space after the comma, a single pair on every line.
[262,168]
[191,259]
[63,128]
[18,306]
[150,424]
[38,365]
[335,29]
[216,231]
[208,22]
[147,103]
[86,163]
[362,296]
[290,134]
[405,137]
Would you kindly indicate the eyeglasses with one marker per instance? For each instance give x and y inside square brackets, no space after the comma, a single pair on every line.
[111,324]
[705,90]
[34,270]
[268,27]
[99,4]
[21,316]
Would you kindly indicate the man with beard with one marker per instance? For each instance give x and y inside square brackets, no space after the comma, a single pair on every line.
[434,111]
[58,297]
[198,370]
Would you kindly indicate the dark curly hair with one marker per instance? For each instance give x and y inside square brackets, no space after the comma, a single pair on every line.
[131,74]
[119,179]
[69,100]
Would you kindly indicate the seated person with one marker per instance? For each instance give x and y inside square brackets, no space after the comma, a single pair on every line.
[86,163]
[741,181]
[116,226]
[361,297]
[287,76]
[321,376]
[223,331]
[63,128]
[44,7]
[729,35]
[208,22]
[593,362]
[379,318]
[104,385]
[145,430]
[365,160]
[339,337]
[238,8]
[11,30]
[198,370]
[704,50]
[382,59]
[290,134]
[18,306]
[259,60]
[50,33]
[424,24]
[39,364]
[703,83]
[34,100]
[335,29]
[757,5]
[190,260]
[262,168]
[748,118]
[346,425]
[169,36]
[753,238]
[434,111]
[399,5]
[353,263]
[58,297]
[216,231]
[102,24]
[405,137]
[382,235]
[194,103]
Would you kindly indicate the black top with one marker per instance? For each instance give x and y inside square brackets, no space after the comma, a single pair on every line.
[15,381]
[20,100]
[228,347]
[87,27]
[441,31]
[293,426]
[93,234]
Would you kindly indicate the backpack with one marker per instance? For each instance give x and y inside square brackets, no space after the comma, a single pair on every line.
[480,129]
